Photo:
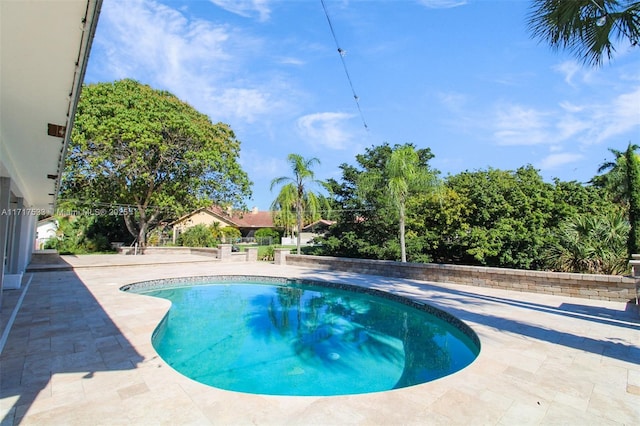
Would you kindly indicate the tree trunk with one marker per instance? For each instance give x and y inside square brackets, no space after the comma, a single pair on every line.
[403,249]
[299,220]
[131,226]
[142,236]
[139,231]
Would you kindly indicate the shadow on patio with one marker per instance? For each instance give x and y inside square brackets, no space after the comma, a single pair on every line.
[462,304]
[62,331]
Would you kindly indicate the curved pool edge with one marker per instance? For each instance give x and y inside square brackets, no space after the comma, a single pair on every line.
[142,287]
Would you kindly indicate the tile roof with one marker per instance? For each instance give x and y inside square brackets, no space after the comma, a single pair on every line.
[241,219]
[319,223]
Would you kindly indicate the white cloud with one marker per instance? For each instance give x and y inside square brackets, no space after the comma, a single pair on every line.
[442,4]
[246,8]
[570,107]
[452,100]
[195,59]
[519,125]
[554,161]
[287,60]
[145,36]
[569,69]
[261,165]
[325,129]
[619,116]
[243,103]
[581,123]
[575,73]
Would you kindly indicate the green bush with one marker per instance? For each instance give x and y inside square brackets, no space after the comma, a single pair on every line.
[266,253]
[266,236]
[80,235]
[230,234]
[267,232]
[197,236]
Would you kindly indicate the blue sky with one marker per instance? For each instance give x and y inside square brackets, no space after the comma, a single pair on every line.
[463,78]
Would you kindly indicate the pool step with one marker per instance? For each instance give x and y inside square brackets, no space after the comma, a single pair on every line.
[47,260]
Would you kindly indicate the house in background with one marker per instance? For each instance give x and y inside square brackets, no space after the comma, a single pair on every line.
[309,232]
[46,229]
[247,222]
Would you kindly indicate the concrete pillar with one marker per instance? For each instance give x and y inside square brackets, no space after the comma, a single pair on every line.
[635,273]
[5,195]
[17,239]
[279,256]
[23,249]
[224,252]
[252,254]
[13,256]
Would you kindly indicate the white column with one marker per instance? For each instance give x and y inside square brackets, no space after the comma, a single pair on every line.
[5,195]
[15,230]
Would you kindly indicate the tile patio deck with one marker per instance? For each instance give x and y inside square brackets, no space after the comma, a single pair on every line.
[80,353]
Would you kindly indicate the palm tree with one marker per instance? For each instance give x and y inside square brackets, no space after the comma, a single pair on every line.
[623,180]
[296,190]
[591,244]
[588,28]
[614,177]
[403,175]
[284,208]
[406,176]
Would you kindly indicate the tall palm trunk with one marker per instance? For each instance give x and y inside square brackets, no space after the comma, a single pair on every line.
[403,248]
[299,224]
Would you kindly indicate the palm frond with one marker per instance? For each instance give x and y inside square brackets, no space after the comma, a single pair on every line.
[588,28]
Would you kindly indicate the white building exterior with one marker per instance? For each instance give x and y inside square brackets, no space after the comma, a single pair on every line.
[44,52]
[46,229]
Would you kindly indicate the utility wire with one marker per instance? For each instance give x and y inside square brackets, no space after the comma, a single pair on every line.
[344,64]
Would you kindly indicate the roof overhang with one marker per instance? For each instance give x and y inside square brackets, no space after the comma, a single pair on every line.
[45,48]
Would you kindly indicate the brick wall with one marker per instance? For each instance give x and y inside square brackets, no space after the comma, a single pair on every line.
[602,287]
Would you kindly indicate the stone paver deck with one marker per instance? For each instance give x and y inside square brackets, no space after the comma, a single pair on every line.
[80,353]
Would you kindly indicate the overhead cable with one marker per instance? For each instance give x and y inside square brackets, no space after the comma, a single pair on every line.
[342,54]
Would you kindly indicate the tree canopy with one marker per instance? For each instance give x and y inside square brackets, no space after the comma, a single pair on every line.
[147,155]
[492,217]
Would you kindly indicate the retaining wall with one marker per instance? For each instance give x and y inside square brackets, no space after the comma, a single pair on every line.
[223,252]
[602,287]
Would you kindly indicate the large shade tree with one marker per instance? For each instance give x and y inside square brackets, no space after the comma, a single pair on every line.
[149,156]
[295,191]
[587,28]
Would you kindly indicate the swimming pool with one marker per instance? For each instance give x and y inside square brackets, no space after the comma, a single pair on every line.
[295,337]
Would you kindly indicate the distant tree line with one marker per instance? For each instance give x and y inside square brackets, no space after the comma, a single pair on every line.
[503,218]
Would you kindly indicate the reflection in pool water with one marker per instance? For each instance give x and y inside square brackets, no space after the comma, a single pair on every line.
[304,340]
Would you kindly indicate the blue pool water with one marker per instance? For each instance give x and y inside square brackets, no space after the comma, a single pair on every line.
[295,339]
